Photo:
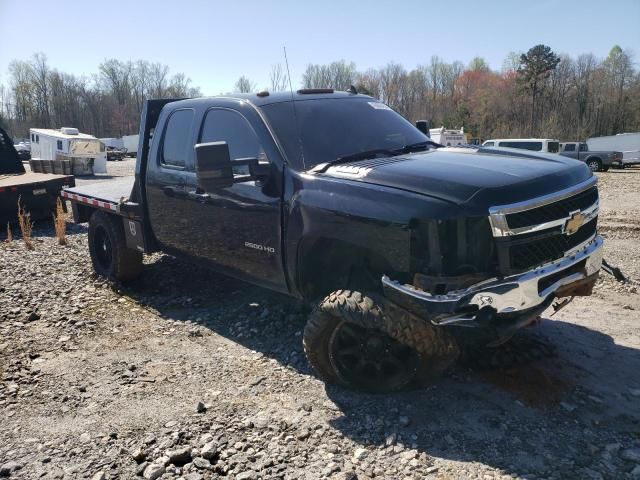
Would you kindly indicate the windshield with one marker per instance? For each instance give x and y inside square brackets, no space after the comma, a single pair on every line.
[328,129]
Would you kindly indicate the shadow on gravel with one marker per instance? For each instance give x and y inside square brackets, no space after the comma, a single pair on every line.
[544,417]
[541,417]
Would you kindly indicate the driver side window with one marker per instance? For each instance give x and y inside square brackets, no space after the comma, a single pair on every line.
[228,126]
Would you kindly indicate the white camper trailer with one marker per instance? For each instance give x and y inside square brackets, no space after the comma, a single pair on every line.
[85,153]
[448,137]
[627,143]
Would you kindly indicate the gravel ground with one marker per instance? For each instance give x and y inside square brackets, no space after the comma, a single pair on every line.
[187,374]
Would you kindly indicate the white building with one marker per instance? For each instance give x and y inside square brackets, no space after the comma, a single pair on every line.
[86,153]
[627,143]
[448,137]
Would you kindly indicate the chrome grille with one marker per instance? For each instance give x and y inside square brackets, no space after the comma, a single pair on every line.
[529,234]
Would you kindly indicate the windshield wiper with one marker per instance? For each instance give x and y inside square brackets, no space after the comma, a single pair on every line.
[413,147]
[416,147]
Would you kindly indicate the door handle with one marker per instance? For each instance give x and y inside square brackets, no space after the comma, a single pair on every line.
[200,197]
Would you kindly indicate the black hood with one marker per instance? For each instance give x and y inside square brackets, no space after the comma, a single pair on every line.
[474,178]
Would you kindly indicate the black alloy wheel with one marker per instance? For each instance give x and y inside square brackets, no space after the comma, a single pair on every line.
[369,359]
[102,247]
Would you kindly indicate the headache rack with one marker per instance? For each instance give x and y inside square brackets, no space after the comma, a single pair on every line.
[529,234]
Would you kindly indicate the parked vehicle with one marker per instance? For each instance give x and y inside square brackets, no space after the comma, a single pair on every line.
[548,145]
[24,155]
[340,201]
[115,154]
[448,137]
[37,192]
[85,153]
[627,143]
[597,161]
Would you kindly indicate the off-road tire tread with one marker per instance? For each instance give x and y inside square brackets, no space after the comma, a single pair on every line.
[127,263]
[433,344]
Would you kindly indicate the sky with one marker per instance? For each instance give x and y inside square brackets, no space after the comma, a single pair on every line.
[215,42]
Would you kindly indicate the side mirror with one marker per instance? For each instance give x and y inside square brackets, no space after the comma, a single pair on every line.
[213,166]
[423,126]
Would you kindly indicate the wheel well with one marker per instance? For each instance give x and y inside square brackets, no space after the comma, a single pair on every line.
[593,158]
[326,265]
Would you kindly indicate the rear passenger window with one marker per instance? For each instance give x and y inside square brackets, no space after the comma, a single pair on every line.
[177,144]
[535,146]
[570,147]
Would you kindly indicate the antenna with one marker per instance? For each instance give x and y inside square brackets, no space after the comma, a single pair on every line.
[293,104]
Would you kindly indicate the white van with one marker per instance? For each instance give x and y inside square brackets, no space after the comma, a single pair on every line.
[549,145]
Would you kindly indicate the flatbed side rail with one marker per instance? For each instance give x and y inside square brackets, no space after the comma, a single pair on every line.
[92,202]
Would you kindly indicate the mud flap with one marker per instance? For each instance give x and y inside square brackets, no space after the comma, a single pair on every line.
[133,233]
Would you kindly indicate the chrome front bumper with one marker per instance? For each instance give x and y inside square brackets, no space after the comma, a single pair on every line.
[506,295]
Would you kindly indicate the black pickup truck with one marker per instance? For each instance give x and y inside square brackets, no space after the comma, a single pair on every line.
[406,250]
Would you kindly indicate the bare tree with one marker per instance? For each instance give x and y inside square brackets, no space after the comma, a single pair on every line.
[278,78]
[244,85]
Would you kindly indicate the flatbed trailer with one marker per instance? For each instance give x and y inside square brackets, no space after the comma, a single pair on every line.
[37,192]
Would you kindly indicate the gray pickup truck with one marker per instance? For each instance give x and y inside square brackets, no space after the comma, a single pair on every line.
[597,161]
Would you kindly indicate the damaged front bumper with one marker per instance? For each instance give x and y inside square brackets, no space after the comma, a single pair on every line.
[572,275]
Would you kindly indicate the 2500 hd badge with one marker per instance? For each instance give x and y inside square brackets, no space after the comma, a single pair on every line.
[257,246]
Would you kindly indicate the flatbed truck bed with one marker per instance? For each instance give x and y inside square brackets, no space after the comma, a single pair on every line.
[38,193]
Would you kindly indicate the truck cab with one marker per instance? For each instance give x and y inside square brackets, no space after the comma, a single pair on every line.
[334,198]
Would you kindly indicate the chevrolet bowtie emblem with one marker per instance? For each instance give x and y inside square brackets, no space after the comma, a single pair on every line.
[574,223]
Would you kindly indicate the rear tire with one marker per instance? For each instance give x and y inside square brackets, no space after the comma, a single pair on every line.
[350,341]
[108,248]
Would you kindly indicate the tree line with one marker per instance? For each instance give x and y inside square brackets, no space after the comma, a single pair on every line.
[105,104]
[535,94]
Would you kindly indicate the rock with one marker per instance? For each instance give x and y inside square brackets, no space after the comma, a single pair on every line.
[209,450]
[6,469]
[431,470]
[332,467]
[635,473]
[64,338]
[141,468]
[247,475]
[139,455]
[99,476]
[192,476]
[153,471]
[630,454]
[85,437]
[404,421]
[201,407]
[567,406]
[201,463]
[635,392]
[32,317]
[359,454]
[179,456]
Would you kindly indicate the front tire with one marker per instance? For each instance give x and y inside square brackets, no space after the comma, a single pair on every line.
[108,249]
[594,164]
[350,341]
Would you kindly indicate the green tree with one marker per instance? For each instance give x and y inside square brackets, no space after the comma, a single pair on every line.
[535,67]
